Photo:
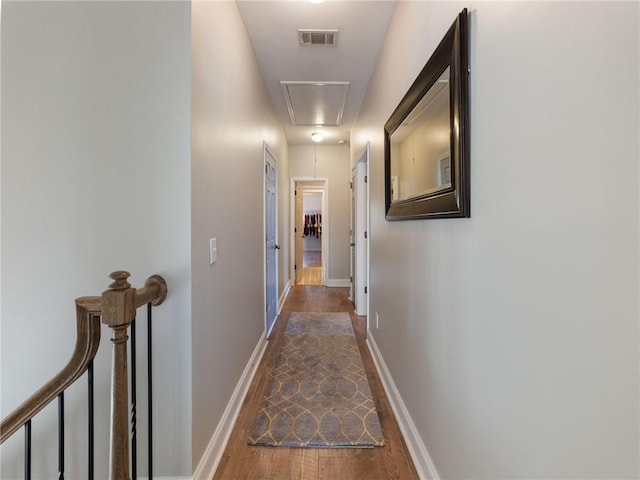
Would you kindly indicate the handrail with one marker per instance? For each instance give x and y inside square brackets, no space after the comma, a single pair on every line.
[87,341]
[116,307]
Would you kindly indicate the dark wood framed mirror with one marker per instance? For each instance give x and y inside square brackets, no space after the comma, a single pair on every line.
[427,136]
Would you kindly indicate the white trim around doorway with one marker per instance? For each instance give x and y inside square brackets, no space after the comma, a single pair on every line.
[362,232]
[325,225]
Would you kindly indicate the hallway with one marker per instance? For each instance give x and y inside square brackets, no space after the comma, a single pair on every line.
[241,461]
[134,138]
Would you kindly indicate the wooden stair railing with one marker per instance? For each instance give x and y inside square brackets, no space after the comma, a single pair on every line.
[117,309]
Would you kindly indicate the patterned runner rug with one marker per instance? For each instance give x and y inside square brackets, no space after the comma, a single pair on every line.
[318,394]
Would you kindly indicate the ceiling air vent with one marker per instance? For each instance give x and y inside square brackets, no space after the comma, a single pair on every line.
[327,38]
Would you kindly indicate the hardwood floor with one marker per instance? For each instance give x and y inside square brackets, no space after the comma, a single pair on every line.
[311,276]
[312,258]
[312,270]
[241,461]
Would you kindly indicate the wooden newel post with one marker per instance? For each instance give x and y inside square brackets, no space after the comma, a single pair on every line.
[118,311]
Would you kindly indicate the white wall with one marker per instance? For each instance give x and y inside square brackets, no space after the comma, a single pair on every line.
[232,115]
[95,178]
[513,335]
[331,162]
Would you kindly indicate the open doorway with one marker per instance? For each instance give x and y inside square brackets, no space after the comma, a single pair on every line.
[310,231]
[312,259]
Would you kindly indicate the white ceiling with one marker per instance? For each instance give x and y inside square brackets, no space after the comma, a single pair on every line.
[273,29]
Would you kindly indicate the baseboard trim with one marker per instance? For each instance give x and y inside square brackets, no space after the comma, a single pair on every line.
[283,297]
[281,301]
[338,282]
[210,460]
[419,454]
[167,478]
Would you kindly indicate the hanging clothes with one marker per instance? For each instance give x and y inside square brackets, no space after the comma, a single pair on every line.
[312,224]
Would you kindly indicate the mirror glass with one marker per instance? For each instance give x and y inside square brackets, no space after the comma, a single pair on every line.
[420,146]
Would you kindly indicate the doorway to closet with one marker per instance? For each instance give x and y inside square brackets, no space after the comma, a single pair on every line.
[310,232]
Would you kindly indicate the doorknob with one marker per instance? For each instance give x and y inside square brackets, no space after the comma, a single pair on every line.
[353,244]
[276,246]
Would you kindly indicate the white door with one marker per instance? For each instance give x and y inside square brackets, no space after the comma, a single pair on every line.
[360,228]
[271,245]
[352,237]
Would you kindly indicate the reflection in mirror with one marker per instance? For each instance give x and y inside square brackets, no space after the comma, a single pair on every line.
[420,146]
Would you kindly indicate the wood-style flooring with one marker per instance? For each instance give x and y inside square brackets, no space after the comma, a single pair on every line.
[312,258]
[241,461]
[312,272]
[310,276]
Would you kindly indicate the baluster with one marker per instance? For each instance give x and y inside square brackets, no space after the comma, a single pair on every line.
[118,311]
[134,443]
[90,466]
[27,450]
[150,388]
[61,436]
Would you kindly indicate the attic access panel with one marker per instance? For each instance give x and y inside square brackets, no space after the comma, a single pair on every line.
[315,103]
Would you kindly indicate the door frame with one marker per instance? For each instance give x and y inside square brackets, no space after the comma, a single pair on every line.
[325,225]
[363,224]
[266,151]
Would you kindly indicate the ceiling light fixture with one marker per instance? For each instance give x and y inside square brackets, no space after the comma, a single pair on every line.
[316,136]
